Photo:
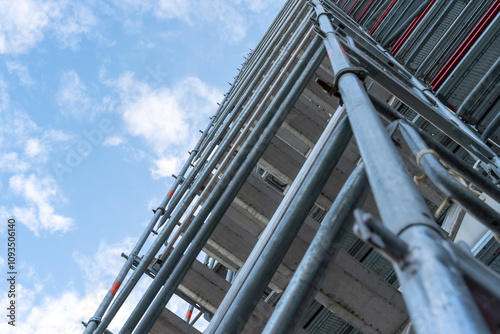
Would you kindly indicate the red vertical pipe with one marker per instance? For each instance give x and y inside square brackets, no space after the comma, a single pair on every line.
[382,17]
[364,11]
[466,45]
[343,2]
[410,29]
[354,4]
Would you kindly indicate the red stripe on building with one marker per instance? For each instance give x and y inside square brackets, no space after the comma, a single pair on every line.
[382,17]
[354,4]
[364,11]
[410,29]
[466,45]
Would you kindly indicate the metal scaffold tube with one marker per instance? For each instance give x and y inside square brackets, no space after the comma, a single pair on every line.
[375,145]
[298,36]
[486,84]
[253,72]
[319,257]
[448,184]
[272,255]
[288,9]
[403,211]
[198,182]
[257,96]
[464,169]
[179,209]
[227,187]
[229,114]
[260,78]
[247,82]
[244,272]
[395,35]
[415,18]
[466,45]
[420,98]
[95,320]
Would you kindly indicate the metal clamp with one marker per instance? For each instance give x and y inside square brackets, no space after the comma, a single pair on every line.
[159,208]
[97,320]
[370,230]
[328,14]
[333,89]
[359,71]
[318,31]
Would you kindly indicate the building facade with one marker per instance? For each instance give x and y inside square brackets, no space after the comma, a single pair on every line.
[358,142]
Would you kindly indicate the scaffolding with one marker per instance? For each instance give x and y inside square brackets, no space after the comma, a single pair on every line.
[329,186]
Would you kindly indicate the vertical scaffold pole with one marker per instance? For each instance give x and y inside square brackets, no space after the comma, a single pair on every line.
[319,257]
[268,232]
[275,250]
[403,210]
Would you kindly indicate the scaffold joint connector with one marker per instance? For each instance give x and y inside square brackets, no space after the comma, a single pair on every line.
[359,71]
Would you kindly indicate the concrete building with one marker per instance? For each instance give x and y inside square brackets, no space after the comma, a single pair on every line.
[270,191]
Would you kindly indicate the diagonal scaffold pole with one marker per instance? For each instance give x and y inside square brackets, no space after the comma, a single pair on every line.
[318,259]
[108,298]
[176,209]
[266,235]
[258,65]
[229,114]
[225,191]
[433,289]
[252,288]
[304,26]
[206,136]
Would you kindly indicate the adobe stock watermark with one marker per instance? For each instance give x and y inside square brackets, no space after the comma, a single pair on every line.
[80,151]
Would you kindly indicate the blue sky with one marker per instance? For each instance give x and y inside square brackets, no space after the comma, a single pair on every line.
[99,104]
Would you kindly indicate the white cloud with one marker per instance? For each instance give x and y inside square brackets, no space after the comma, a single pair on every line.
[23,24]
[10,162]
[231,18]
[167,119]
[113,141]
[16,127]
[21,71]
[26,22]
[4,96]
[39,194]
[63,313]
[24,149]
[174,8]
[107,260]
[168,116]
[259,6]
[72,96]
[33,148]
[165,167]
[228,18]
[31,143]
[77,20]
